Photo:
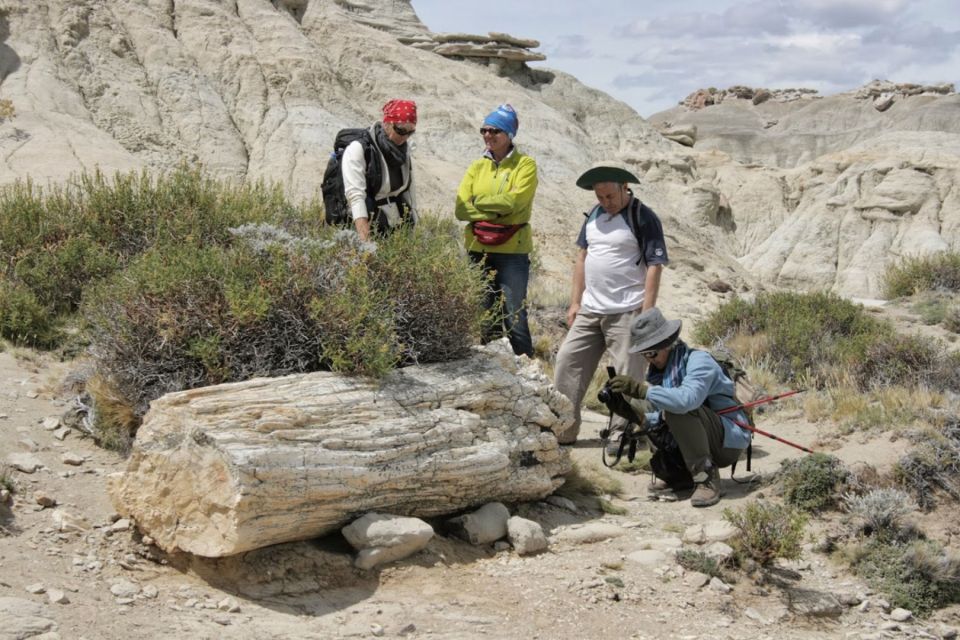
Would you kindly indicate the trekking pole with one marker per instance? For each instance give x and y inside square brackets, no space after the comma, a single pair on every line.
[764,400]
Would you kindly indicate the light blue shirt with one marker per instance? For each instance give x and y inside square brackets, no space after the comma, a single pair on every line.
[703,383]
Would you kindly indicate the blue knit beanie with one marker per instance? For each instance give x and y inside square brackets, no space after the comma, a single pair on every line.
[505,119]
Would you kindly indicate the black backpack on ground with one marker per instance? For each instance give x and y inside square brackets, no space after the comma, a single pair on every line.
[334,199]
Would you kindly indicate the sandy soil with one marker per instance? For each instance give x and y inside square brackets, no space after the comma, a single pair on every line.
[85,575]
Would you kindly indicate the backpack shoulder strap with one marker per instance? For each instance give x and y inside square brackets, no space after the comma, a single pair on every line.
[636,223]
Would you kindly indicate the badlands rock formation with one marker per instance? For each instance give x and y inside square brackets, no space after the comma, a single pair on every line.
[256,89]
[826,192]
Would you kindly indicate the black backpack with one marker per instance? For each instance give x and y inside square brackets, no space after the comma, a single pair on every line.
[334,199]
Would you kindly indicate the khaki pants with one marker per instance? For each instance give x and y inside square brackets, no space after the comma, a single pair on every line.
[580,353]
[699,435]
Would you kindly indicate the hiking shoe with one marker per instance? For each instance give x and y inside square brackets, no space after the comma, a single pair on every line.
[707,492]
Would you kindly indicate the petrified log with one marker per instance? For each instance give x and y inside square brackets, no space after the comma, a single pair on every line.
[224,469]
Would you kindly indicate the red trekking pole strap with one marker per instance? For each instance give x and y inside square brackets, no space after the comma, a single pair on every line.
[764,400]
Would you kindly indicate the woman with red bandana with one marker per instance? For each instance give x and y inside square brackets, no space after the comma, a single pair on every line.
[394,202]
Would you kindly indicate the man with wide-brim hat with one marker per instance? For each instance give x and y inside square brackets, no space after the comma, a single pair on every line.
[616,276]
[683,391]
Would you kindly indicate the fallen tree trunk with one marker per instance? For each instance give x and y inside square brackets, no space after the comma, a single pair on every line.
[224,469]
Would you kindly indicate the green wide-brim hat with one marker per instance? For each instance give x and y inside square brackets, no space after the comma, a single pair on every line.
[605,172]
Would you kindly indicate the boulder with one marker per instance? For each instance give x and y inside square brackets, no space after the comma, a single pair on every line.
[224,469]
[381,538]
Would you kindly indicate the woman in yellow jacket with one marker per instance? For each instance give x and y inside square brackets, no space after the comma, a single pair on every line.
[496,198]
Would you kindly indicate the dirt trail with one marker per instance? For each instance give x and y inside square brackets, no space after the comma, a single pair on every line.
[88,576]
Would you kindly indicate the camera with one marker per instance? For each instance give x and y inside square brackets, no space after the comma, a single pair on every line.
[606,394]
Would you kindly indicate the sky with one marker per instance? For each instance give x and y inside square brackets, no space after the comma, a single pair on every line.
[653,53]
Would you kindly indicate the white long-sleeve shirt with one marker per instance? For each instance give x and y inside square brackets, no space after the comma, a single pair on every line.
[355,183]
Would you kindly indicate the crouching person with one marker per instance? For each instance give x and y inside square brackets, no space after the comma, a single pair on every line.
[683,391]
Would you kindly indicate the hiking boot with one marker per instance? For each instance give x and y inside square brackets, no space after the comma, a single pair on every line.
[707,492]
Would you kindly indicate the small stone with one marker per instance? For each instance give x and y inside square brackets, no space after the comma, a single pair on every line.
[124,601]
[56,596]
[124,589]
[147,540]
[123,524]
[73,459]
[61,433]
[408,629]
[230,605]
[376,630]
[36,589]
[901,615]
[720,586]
[24,462]
[51,423]
[150,592]
[29,445]
[948,633]
[44,499]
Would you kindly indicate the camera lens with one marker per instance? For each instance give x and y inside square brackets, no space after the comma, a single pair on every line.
[604,395]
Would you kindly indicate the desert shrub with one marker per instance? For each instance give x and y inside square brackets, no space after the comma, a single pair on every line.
[114,420]
[54,243]
[916,574]
[937,272]
[23,320]
[849,343]
[693,560]
[932,466]
[269,303]
[767,531]
[951,319]
[434,297]
[6,479]
[880,510]
[813,482]
[589,481]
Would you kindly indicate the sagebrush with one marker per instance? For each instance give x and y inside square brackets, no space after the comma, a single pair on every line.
[269,303]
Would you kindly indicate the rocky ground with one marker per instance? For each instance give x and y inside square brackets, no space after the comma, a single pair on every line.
[70,568]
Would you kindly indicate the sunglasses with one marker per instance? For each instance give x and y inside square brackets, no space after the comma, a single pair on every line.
[490,131]
[403,131]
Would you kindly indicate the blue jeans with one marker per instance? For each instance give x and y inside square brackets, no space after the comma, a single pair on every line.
[511,271]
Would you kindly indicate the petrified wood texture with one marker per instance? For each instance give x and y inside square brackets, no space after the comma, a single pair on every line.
[224,469]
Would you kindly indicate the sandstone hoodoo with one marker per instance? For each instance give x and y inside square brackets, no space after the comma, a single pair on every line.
[224,469]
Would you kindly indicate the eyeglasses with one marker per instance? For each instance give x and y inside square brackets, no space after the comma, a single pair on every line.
[401,131]
[484,131]
[649,355]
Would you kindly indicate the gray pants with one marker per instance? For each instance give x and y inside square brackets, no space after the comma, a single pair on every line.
[580,353]
[699,435]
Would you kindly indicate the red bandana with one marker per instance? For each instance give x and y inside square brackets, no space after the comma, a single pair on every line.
[400,111]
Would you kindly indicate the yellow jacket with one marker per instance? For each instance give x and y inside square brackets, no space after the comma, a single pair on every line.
[499,193]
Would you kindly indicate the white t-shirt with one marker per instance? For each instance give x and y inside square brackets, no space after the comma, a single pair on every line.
[614,275]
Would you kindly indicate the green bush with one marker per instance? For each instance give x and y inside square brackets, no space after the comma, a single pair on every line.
[693,560]
[916,575]
[767,531]
[23,320]
[814,482]
[932,466]
[54,243]
[269,303]
[937,272]
[809,337]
